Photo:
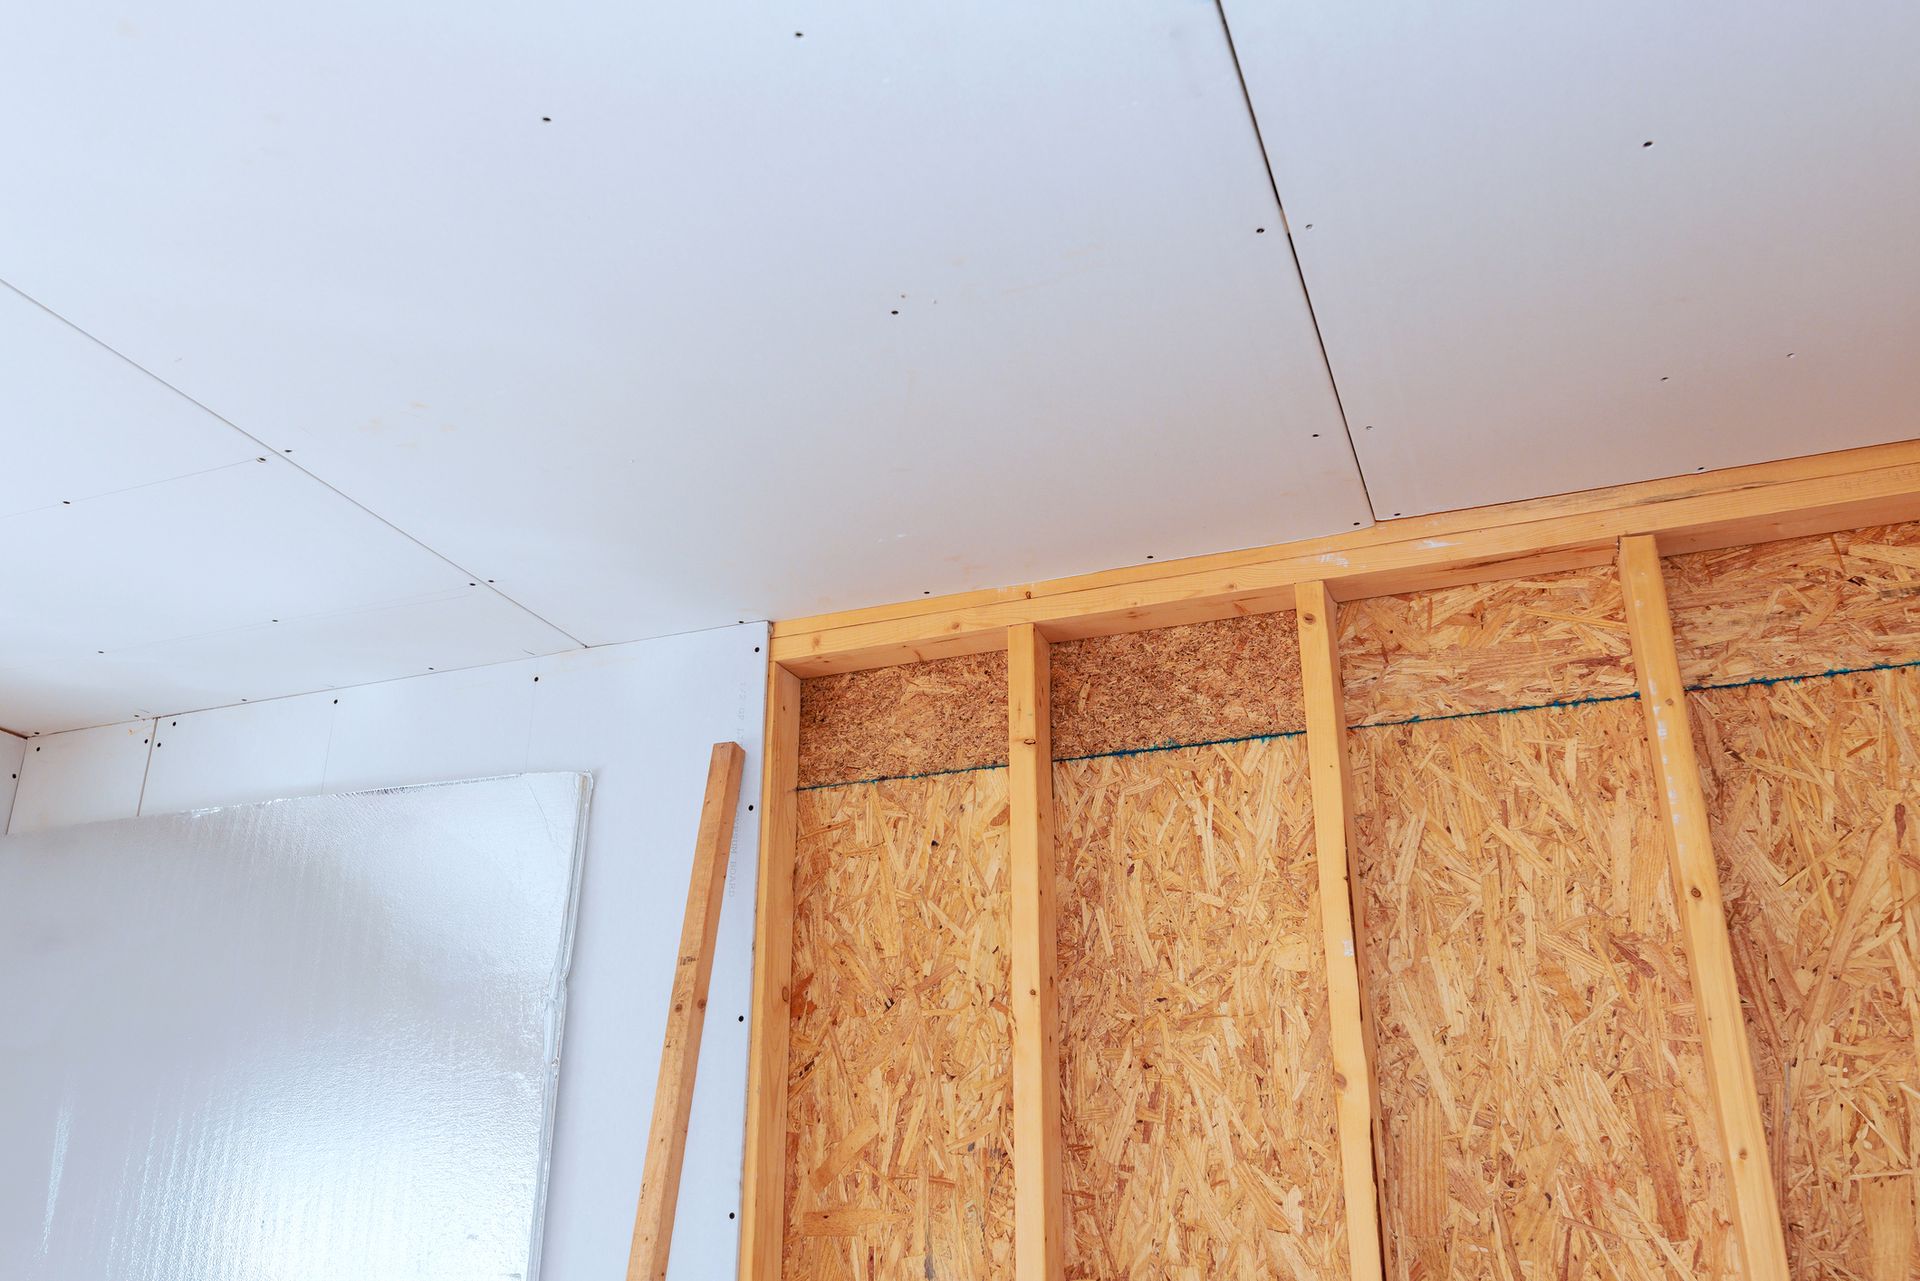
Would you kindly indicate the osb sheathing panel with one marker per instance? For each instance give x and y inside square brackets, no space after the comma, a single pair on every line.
[1235,678]
[893,722]
[1197,1092]
[899,1089]
[1814,798]
[1539,1069]
[1519,643]
[1796,606]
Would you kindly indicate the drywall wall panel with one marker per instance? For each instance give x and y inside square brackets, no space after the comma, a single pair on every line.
[1539,1071]
[1062,247]
[250,752]
[315,1037]
[1552,247]
[899,1069]
[1197,1110]
[13,751]
[1814,809]
[641,717]
[82,776]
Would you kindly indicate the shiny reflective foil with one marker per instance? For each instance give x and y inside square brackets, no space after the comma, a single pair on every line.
[306,1040]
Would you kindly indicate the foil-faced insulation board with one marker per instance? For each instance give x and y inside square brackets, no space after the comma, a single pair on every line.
[300,1040]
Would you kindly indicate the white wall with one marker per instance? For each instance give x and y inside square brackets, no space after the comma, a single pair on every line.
[642,717]
[13,751]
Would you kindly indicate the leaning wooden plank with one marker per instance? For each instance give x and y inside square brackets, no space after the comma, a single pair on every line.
[1039,1242]
[763,1180]
[686,1016]
[1356,1104]
[1696,890]
[1741,505]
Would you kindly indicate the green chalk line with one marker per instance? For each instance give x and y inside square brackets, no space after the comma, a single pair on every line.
[1557,704]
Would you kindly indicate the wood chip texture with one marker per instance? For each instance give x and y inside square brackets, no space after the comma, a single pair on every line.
[1814,798]
[898,722]
[899,1149]
[1796,606]
[1198,1118]
[1235,678]
[1540,1075]
[1519,643]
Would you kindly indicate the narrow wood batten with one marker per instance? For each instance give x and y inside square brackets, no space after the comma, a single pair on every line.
[1356,1102]
[1039,1212]
[686,1019]
[763,1183]
[1697,899]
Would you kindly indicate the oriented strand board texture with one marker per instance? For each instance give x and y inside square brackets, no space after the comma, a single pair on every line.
[1539,1066]
[1235,678]
[1519,643]
[899,1161]
[1814,796]
[1197,1100]
[1796,606]
[893,722]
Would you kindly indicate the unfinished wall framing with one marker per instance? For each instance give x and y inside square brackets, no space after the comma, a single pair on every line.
[1227,931]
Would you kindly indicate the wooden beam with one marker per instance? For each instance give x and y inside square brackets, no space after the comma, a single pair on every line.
[1039,1229]
[1737,506]
[764,1178]
[1336,853]
[686,1018]
[1703,922]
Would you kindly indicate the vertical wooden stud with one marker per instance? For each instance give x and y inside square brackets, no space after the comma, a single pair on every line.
[686,1018]
[763,1190]
[1703,923]
[1355,1102]
[1039,1240]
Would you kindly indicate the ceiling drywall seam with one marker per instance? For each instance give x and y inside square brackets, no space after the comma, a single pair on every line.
[473,578]
[1226,30]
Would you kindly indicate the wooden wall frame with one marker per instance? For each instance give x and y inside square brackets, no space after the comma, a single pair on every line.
[1631,525]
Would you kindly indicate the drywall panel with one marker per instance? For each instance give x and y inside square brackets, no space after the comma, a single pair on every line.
[243,582]
[83,422]
[900,1066]
[82,777]
[1552,247]
[641,717]
[1061,248]
[315,1038]
[13,751]
[250,752]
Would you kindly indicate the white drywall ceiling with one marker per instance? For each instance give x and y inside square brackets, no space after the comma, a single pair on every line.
[1520,297]
[661,317]
[643,319]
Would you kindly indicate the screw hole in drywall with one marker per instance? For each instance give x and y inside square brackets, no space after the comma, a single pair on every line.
[729,1214]
[1259,231]
[546,120]
[756,649]
[894,312]
[536,680]
[749,809]
[1647,143]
